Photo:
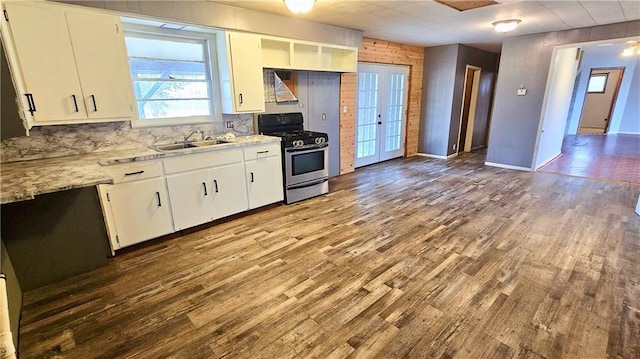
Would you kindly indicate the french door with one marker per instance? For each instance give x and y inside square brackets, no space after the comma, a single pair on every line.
[381,115]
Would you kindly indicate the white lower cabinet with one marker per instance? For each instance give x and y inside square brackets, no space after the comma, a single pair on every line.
[263,166]
[135,211]
[190,198]
[204,187]
[153,198]
[229,191]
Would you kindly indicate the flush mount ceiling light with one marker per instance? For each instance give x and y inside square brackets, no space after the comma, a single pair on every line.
[299,6]
[506,25]
[632,48]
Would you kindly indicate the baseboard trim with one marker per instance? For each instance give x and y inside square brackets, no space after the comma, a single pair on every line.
[438,156]
[509,167]
[623,133]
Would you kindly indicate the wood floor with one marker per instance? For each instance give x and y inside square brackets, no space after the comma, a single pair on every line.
[412,258]
[614,157]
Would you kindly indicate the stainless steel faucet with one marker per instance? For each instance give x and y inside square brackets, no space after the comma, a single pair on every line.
[186,139]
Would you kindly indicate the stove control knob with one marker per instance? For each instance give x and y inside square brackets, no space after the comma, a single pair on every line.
[319,140]
[298,143]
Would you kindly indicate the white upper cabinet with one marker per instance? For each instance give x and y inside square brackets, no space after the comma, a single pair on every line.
[283,53]
[69,66]
[241,77]
[102,64]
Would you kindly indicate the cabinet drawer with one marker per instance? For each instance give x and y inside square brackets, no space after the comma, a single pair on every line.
[134,171]
[201,160]
[262,151]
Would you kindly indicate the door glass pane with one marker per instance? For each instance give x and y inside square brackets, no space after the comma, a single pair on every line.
[393,136]
[367,114]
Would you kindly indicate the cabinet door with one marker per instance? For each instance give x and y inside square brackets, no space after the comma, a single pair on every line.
[229,190]
[191,196]
[102,64]
[48,67]
[248,86]
[140,210]
[264,181]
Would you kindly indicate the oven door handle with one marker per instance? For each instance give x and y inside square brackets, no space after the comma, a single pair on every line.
[307,148]
[305,185]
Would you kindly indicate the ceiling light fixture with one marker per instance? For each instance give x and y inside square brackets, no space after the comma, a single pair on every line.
[506,25]
[632,48]
[299,6]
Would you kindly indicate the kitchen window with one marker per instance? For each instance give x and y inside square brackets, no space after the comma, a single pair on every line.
[172,74]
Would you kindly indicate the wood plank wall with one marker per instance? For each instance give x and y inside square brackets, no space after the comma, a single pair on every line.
[385,52]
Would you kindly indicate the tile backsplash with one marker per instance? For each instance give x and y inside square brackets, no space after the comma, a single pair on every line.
[67,140]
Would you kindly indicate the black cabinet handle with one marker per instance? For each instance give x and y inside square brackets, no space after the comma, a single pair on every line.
[205,189]
[259,152]
[241,99]
[215,184]
[93,98]
[134,173]
[32,104]
[75,102]
[158,196]
[251,177]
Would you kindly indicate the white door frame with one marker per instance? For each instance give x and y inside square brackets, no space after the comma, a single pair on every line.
[472,108]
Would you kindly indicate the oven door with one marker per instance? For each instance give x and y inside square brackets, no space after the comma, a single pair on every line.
[307,163]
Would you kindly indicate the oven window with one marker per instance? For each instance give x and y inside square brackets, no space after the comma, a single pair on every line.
[307,162]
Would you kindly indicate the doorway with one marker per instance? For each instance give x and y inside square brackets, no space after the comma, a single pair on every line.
[381,112]
[469,102]
[602,92]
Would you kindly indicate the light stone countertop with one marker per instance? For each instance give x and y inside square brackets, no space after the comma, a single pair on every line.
[23,180]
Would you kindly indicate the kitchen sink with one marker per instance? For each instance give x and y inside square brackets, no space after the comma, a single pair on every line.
[185,145]
[208,143]
[175,146]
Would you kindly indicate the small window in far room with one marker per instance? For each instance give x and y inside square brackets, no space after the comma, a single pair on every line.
[597,83]
[172,76]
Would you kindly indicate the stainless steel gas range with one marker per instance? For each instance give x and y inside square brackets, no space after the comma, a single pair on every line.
[304,155]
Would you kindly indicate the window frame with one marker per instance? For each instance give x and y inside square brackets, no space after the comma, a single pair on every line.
[158,32]
[604,84]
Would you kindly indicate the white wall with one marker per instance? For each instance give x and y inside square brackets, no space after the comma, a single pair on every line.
[556,104]
[590,61]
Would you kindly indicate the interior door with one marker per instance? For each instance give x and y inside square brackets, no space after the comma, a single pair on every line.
[381,112]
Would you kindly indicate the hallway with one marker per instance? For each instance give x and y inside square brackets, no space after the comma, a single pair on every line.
[614,157]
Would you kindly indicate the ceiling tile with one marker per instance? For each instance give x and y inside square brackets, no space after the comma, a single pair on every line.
[427,23]
[604,12]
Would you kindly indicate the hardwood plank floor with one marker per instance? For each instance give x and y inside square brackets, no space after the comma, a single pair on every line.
[409,258]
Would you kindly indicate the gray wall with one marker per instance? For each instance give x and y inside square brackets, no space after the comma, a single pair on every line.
[488,62]
[525,61]
[55,236]
[443,87]
[438,83]
[10,124]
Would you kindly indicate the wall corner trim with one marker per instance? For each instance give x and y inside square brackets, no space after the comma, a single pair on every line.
[509,167]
